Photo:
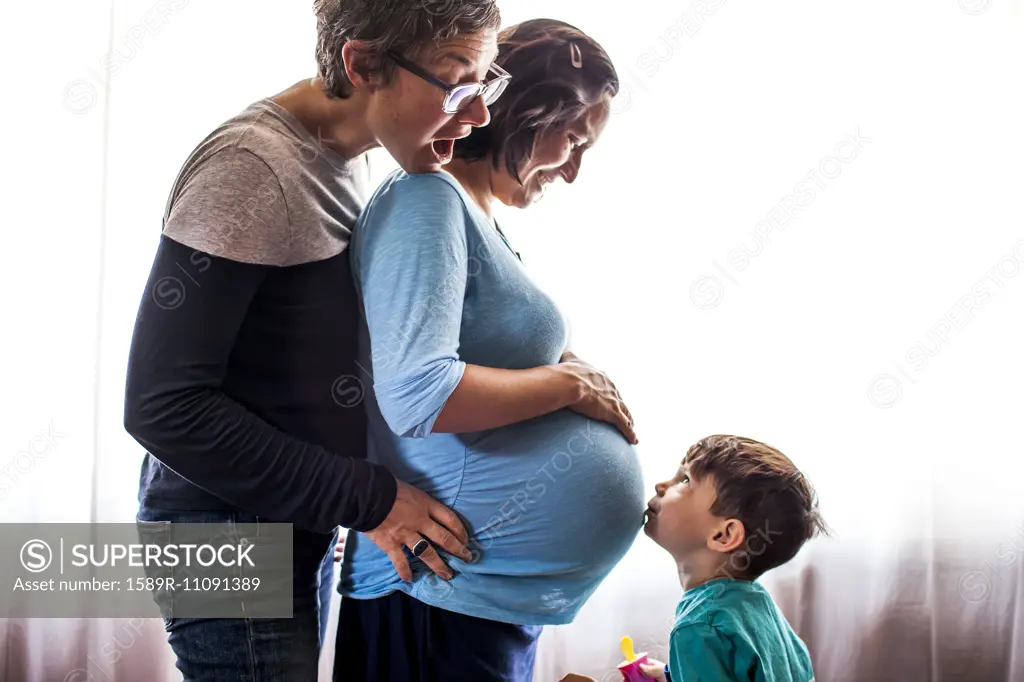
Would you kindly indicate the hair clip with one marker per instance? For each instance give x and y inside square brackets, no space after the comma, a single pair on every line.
[576,55]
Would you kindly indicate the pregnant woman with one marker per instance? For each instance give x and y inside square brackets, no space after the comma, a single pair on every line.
[475,399]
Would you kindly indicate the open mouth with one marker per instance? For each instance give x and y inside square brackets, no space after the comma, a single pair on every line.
[443,149]
[649,515]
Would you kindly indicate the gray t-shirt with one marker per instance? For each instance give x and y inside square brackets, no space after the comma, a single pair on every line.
[262,189]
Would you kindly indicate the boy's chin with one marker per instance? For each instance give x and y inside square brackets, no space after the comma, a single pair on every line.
[651,531]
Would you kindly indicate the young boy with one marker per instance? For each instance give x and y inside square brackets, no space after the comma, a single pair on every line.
[735,509]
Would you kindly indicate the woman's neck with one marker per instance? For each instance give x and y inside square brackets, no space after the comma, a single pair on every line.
[339,124]
[475,178]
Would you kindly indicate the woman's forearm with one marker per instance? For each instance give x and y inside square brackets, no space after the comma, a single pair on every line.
[487,398]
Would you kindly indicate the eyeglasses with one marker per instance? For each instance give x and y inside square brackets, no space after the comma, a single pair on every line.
[458,97]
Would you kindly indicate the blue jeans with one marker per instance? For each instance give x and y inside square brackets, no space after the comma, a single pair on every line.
[250,650]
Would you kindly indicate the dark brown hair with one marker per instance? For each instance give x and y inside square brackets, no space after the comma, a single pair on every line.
[761,487]
[547,90]
[409,27]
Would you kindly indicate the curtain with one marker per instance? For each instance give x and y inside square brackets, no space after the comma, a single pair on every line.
[803,225]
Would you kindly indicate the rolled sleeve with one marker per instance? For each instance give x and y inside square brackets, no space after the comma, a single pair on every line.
[412,405]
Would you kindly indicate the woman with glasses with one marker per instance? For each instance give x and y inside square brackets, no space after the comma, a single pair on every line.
[475,398]
[243,357]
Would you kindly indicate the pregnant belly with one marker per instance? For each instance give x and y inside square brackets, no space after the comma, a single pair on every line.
[557,494]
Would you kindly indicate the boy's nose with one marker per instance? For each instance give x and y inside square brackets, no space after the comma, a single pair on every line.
[659,488]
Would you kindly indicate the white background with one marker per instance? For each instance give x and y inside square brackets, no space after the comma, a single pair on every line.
[846,341]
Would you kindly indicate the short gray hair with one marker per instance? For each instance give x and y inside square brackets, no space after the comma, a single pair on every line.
[408,27]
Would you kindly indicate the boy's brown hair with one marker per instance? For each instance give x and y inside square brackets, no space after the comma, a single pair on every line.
[763,489]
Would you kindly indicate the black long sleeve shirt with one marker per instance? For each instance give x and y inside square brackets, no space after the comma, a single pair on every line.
[242,381]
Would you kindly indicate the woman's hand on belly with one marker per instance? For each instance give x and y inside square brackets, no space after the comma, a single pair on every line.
[598,398]
[414,516]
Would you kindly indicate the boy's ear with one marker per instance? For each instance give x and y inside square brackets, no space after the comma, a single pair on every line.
[727,536]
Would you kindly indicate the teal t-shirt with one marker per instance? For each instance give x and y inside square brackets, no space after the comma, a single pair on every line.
[731,630]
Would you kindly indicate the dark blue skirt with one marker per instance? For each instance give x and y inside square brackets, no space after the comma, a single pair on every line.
[399,639]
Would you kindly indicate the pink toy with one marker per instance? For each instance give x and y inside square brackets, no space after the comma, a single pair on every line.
[630,668]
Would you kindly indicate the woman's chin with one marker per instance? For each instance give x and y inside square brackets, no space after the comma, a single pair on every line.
[535,195]
[419,166]
[423,160]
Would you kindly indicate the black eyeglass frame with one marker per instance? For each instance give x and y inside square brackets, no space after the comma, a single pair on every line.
[499,84]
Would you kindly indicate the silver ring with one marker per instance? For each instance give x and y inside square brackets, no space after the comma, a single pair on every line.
[420,547]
